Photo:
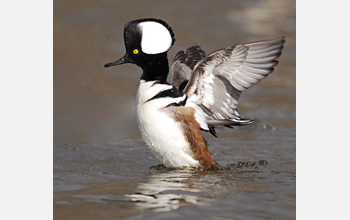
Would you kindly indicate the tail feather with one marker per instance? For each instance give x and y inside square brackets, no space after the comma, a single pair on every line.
[229,122]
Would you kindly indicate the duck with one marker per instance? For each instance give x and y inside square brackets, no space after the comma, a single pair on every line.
[202,94]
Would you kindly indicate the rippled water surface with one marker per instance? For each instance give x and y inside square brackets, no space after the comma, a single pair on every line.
[102,168]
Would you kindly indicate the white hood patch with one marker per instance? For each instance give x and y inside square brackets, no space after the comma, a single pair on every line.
[155,37]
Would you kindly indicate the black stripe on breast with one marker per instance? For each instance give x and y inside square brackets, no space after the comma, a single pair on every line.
[182,103]
[169,93]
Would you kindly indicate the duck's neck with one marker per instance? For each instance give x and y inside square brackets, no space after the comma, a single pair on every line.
[156,68]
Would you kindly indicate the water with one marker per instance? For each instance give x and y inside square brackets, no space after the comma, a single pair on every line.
[117,181]
[102,168]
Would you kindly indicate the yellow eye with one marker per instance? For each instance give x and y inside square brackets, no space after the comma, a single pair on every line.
[136,51]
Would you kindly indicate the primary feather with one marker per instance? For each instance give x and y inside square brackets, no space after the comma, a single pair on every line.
[214,83]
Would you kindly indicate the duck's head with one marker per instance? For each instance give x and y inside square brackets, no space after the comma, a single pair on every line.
[146,41]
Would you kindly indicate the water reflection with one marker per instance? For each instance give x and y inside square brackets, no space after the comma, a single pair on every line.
[168,191]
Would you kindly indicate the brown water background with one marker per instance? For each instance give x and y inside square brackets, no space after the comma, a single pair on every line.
[101,165]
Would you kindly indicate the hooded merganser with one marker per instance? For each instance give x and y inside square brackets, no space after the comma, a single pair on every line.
[203,92]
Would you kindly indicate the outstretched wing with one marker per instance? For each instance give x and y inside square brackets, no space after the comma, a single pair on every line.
[183,65]
[218,80]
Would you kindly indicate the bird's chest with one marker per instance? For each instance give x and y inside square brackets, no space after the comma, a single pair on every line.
[156,125]
[163,135]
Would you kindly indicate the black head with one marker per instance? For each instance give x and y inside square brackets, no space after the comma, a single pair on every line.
[146,42]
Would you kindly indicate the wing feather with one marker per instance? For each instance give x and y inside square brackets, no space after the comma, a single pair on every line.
[218,80]
[184,63]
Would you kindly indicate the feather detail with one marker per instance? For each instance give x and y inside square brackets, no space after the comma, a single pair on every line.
[218,80]
[184,63]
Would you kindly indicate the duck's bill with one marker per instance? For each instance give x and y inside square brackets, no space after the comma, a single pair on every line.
[122,60]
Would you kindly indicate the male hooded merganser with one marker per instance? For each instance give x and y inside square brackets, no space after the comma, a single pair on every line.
[203,92]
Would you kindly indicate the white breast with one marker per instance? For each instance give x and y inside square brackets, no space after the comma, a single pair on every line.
[163,135]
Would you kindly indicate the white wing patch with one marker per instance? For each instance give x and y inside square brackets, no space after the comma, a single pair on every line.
[155,37]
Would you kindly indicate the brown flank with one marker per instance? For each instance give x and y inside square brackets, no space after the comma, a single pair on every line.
[191,128]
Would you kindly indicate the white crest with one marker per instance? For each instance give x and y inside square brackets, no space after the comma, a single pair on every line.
[155,37]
